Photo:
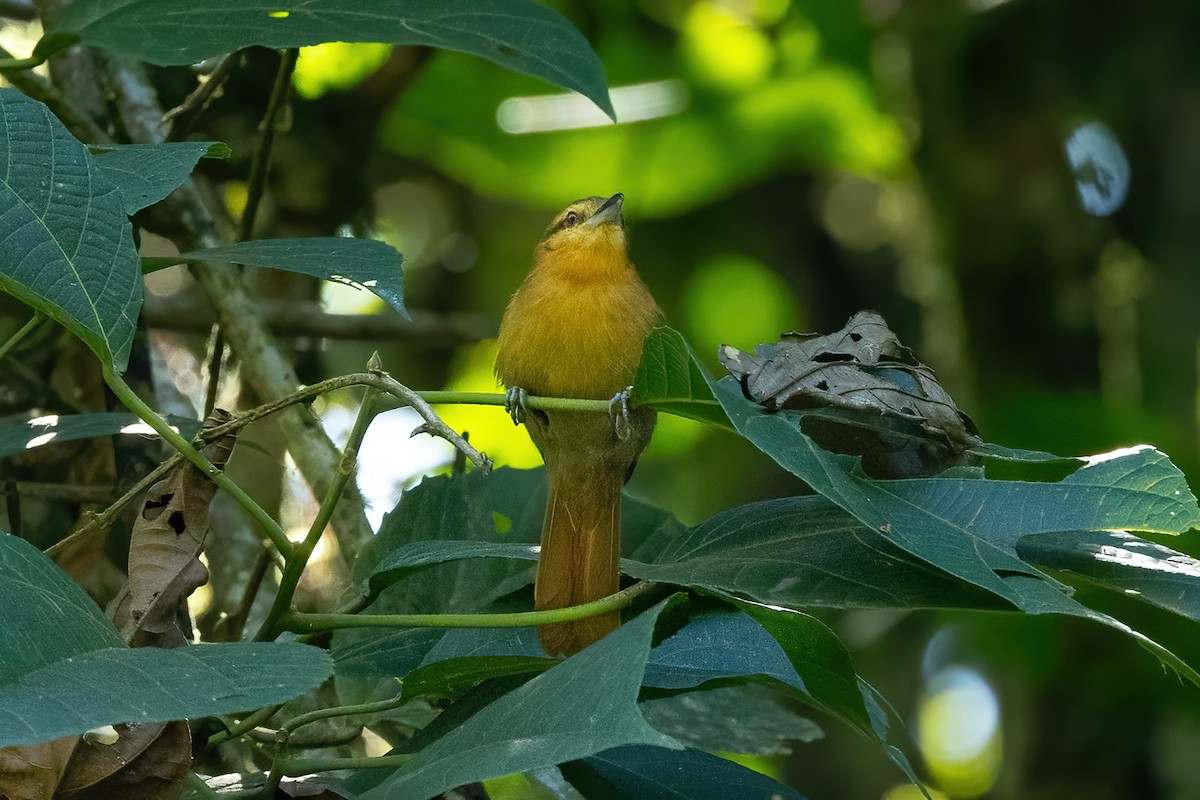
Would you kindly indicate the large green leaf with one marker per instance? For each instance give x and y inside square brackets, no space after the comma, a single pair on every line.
[66,245]
[21,436]
[654,773]
[583,706]
[969,527]
[147,684]
[521,35]
[44,617]
[670,379]
[361,263]
[64,669]
[147,173]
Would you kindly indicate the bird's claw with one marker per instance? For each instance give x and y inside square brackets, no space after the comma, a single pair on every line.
[514,403]
[618,407]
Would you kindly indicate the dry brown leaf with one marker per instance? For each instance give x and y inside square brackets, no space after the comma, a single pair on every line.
[147,762]
[876,399]
[164,551]
[33,772]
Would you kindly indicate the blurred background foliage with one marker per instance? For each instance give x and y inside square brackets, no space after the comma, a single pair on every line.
[1011,183]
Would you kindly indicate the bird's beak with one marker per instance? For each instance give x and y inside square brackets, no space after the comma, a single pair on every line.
[609,212]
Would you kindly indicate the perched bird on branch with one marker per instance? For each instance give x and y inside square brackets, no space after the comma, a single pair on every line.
[575,329]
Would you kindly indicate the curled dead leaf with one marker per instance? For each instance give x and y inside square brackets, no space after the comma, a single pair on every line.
[865,394]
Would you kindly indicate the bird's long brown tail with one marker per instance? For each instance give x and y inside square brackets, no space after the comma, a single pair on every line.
[581,550]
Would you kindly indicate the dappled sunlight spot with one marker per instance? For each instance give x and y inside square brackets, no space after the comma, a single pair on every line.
[19,38]
[1112,455]
[737,300]
[1100,168]
[1127,556]
[489,427]
[38,441]
[389,460]
[345,298]
[725,50]
[958,728]
[336,65]
[568,111]
[143,429]
[279,14]
[44,421]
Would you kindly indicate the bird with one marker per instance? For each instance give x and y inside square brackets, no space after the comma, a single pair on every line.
[575,329]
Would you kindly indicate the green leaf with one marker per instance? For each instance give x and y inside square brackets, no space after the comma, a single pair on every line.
[670,379]
[21,436]
[66,245]
[147,173]
[969,527]
[450,678]
[1123,563]
[119,684]
[361,263]
[65,670]
[520,35]
[583,706]
[653,773]
[45,617]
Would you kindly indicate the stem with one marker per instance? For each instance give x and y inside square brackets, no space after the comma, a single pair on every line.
[298,559]
[245,726]
[289,727]
[135,404]
[25,330]
[304,766]
[261,160]
[21,63]
[308,623]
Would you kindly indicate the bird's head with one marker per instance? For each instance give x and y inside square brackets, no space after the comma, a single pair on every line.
[593,225]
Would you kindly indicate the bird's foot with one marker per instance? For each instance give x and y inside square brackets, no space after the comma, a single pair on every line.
[618,407]
[514,403]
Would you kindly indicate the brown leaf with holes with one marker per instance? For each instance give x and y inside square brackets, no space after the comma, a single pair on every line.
[147,762]
[33,772]
[866,394]
[164,551]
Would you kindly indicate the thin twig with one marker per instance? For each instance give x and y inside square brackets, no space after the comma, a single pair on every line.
[289,727]
[26,329]
[261,160]
[183,116]
[256,185]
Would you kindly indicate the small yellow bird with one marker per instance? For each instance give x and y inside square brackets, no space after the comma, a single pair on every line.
[575,329]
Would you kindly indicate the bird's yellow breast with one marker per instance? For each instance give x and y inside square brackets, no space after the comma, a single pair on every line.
[575,327]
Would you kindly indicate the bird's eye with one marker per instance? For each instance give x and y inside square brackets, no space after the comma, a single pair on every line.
[572,218]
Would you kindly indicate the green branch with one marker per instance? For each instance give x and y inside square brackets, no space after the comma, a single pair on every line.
[311,623]
[26,329]
[148,415]
[297,560]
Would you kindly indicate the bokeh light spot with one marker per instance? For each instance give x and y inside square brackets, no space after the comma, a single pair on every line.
[958,726]
[725,51]
[740,301]
[336,65]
